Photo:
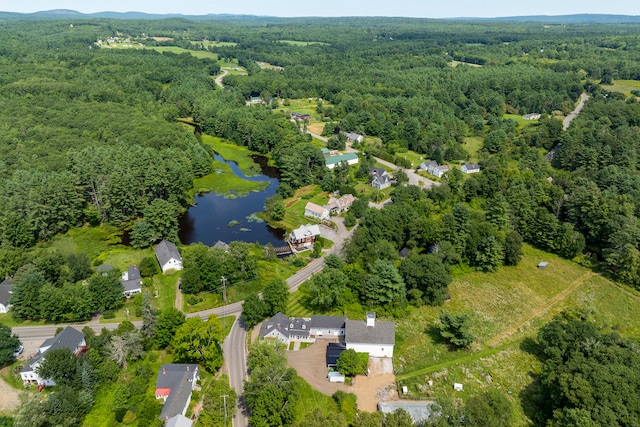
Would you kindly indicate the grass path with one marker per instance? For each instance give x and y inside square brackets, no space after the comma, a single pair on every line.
[539,311]
[178,302]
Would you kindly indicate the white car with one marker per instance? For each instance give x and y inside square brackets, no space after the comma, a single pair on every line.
[18,351]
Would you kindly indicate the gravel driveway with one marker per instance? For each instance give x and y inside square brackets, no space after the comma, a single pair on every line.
[310,364]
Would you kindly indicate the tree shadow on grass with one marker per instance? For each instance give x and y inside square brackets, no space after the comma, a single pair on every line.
[434,333]
[532,397]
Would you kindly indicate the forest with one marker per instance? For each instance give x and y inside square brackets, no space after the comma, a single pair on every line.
[90,136]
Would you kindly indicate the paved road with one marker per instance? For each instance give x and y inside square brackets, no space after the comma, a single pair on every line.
[567,120]
[218,79]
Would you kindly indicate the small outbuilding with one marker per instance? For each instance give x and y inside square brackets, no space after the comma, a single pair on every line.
[335,377]
[457,387]
[542,265]
[334,350]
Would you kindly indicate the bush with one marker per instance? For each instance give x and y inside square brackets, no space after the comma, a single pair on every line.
[109,314]
[193,300]
[129,417]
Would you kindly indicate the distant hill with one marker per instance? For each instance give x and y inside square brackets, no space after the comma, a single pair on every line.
[584,18]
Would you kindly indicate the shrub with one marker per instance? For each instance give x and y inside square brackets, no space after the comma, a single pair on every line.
[109,314]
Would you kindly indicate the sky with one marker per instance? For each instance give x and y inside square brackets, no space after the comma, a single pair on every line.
[288,8]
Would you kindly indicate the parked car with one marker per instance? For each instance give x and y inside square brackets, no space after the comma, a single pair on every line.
[18,351]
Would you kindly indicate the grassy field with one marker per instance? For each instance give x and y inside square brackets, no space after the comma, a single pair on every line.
[233,152]
[507,308]
[521,122]
[302,43]
[473,144]
[294,216]
[624,86]
[208,43]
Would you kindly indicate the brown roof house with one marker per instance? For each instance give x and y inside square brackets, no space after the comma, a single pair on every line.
[311,210]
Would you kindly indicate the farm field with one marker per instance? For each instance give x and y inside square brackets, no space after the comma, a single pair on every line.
[302,43]
[507,308]
[624,86]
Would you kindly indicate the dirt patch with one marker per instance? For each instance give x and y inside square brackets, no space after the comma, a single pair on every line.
[310,364]
[378,386]
[316,128]
[292,202]
[8,397]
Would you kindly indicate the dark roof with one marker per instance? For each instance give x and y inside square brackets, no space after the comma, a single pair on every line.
[69,338]
[221,245]
[328,322]
[357,331]
[133,279]
[404,252]
[334,350]
[5,292]
[165,251]
[378,171]
[287,326]
[471,165]
[179,378]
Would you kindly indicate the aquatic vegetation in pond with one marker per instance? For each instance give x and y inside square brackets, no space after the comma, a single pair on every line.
[254,218]
[233,223]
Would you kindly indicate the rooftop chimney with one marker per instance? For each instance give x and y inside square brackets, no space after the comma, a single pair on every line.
[371,319]
[164,371]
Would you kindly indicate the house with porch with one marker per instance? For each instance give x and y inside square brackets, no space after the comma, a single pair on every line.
[168,256]
[303,237]
[69,338]
[434,169]
[320,213]
[5,295]
[174,385]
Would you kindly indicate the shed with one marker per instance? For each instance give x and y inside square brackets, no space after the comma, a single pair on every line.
[457,386]
[335,377]
[542,265]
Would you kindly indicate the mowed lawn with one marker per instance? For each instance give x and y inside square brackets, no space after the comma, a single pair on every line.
[624,86]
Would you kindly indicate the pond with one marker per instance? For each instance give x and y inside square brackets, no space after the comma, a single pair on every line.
[215,217]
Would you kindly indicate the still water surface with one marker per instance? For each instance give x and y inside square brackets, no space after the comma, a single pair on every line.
[211,218]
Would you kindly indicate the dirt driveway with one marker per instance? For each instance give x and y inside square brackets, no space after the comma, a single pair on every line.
[8,397]
[311,365]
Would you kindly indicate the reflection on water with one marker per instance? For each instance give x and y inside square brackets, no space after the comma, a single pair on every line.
[216,218]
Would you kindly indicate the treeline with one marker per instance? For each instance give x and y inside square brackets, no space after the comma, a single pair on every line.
[89,134]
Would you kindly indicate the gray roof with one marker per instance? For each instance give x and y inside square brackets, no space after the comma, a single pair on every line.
[179,378]
[334,350]
[287,326]
[357,331]
[379,171]
[69,338]
[471,166]
[328,322]
[5,292]
[353,137]
[179,421]
[221,245]
[420,411]
[133,281]
[165,251]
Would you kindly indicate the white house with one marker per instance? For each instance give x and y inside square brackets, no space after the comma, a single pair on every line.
[314,211]
[327,326]
[375,338]
[381,178]
[532,116]
[5,295]
[131,281]
[354,137]
[470,168]
[434,169]
[174,385]
[69,338]
[168,256]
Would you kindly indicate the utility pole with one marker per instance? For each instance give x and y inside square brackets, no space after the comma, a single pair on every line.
[224,396]
[224,289]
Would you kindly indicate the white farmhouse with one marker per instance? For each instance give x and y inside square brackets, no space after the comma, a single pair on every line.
[375,338]
[69,338]
[311,210]
[168,256]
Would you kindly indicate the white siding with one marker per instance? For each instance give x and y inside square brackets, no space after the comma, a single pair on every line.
[3,309]
[336,332]
[374,350]
[172,264]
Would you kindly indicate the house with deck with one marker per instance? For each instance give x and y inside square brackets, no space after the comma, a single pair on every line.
[168,256]
[174,385]
[303,237]
[69,338]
